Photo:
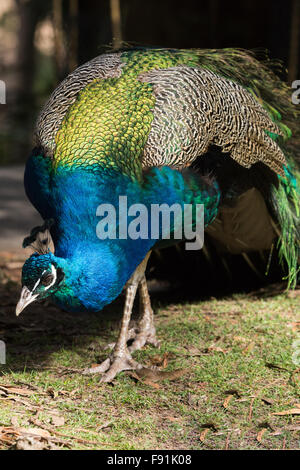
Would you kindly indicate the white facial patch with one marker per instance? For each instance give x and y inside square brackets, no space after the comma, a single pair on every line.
[36,284]
[54,274]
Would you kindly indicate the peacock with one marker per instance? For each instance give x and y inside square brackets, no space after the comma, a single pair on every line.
[209,128]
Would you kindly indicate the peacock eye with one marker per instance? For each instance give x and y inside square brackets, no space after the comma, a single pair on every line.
[46,280]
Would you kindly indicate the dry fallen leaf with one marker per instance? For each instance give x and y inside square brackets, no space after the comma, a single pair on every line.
[34,431]
[206,427]
[160,361]
[226,401]
[260,434]
[144,381]
[152,384]
[203,434]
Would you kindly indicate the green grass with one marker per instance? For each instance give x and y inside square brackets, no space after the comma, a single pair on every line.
[239,346]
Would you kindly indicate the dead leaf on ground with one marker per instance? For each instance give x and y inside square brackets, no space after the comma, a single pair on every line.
[158,375]
[260,434]
[144,381]
[203,434]
[34,431]
[207,427]
[227,400]
[160,361]
[231,393]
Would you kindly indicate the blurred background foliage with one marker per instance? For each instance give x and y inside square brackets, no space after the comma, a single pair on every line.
[42,41]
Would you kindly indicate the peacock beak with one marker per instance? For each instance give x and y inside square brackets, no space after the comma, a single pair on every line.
[25,299]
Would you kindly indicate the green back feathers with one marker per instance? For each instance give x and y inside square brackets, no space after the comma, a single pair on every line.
[109,123]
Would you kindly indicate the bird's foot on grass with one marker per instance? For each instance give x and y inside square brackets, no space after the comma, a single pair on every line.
[114,364]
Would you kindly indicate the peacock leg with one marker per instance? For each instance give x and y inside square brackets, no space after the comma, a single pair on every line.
[120,358]
[145,332]
[132,332]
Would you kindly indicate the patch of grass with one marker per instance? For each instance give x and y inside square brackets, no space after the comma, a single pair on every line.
[238,356]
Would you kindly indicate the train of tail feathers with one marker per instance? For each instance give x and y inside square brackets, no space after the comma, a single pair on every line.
[159,126]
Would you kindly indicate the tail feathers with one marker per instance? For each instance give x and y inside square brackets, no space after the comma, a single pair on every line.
[286,204]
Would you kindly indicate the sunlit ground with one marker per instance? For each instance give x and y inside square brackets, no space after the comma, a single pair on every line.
[235,384]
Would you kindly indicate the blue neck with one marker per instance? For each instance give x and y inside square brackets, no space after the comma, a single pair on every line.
[96,270]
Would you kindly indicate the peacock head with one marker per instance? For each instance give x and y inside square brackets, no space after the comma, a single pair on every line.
[41,277]
[87,277]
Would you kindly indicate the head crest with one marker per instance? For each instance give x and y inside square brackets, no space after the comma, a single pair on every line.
[40,238]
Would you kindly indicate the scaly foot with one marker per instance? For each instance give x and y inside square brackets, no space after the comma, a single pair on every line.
[113,365]
[131,335]
[143,337]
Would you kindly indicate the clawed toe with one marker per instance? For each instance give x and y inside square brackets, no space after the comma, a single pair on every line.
[112,366]
[98,369]
[119,364]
